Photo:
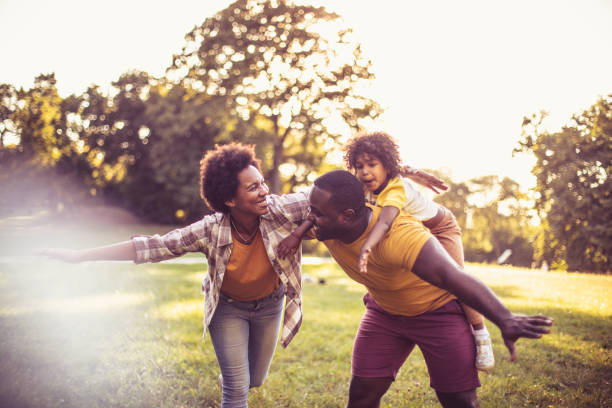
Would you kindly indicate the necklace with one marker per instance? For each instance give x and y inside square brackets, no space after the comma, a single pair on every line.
[242,239]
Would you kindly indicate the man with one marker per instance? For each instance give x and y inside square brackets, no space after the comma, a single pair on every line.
[413,287]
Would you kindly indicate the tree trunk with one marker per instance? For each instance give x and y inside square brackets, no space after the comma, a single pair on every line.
[277,159]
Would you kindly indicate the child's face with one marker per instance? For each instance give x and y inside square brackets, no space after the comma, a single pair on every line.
[370,171]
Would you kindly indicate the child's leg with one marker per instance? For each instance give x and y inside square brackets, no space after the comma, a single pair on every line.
[449,235]
[473,317]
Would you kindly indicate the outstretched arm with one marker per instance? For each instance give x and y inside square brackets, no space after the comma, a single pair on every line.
[435,266]
[289,245]
[423,178]
[383,224]
[122,251]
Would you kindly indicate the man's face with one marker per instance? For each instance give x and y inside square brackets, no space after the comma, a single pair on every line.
[326,219]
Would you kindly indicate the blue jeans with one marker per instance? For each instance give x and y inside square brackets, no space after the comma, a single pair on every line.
[244,335]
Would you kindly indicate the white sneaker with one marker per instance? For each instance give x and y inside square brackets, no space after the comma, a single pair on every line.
[485,360]
[220,381]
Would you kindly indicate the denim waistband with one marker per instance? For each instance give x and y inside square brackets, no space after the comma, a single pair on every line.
[278,292]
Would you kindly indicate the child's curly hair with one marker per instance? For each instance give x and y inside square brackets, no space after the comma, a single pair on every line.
[219,170]
[378,144]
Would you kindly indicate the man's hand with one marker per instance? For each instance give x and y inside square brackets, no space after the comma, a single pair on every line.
[60,254]
[288,246]
[517,326]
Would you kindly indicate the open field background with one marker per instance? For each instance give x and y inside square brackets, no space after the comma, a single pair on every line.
[113,334]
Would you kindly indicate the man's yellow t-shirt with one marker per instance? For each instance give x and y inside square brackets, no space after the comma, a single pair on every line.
[390,280]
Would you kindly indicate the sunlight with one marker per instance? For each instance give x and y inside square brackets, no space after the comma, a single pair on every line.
[77,305]
[179,310]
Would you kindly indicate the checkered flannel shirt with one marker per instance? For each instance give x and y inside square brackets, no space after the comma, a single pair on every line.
[212,236]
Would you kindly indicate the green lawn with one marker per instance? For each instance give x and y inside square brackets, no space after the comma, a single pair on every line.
[119,335]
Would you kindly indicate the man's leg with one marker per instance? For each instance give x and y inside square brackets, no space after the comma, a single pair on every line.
[445,339]
[365,392]
[464,399]
[379,351]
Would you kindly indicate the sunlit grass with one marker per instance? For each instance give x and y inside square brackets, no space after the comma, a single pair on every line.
[114,334]
[117,334]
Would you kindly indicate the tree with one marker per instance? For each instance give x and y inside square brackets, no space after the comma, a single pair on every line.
[493,217]
[34,142]
[573,186]
[286,85]
[144,144]
[498,222]
[176,127]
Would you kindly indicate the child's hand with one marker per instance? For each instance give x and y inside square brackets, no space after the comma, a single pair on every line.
[288,246]
[363,259]
[425,179]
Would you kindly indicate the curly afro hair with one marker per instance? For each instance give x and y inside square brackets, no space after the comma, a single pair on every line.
[219,170]
[378,144]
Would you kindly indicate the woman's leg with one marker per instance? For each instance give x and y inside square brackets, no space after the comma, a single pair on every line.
[264,330]
[229,331]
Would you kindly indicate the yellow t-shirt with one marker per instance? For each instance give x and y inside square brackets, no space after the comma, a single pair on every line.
[390,280]
[400,193]
[249,274]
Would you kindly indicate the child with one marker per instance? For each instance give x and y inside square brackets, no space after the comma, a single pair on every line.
[374,157]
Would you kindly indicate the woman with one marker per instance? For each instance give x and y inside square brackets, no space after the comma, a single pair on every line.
[246,282]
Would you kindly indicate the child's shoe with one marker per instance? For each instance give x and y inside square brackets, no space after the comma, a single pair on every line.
[485,360]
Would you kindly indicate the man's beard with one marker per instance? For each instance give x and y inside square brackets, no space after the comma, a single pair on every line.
[325,234]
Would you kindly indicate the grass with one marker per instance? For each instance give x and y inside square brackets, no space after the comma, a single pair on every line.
[119,335]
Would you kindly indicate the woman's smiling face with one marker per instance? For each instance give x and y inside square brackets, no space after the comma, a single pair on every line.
[251,193]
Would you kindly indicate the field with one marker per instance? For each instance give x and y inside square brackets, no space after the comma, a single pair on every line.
[114,334]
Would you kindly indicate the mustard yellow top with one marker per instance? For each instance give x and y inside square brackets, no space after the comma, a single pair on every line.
[390,280]
[249,274]
[400,193]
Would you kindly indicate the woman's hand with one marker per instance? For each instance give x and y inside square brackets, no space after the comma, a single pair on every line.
[61,254]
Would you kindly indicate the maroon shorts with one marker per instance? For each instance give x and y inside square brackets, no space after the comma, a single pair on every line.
[384,341]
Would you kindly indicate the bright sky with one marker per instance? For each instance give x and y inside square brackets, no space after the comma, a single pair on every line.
[455,77]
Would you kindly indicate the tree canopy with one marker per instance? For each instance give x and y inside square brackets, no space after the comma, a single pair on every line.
[574,190]
[290,73]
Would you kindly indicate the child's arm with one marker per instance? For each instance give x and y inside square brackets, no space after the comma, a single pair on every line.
[123,251]
[385,219]
[423,178]
[290,244]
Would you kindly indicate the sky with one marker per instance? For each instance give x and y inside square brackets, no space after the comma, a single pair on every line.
[455,77]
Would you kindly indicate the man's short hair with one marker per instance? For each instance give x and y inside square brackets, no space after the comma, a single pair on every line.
[346,190]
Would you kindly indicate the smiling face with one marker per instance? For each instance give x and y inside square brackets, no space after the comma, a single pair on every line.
[251,194]
[326,218]
[371,172]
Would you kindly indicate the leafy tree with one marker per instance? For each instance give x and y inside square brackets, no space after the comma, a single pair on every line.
[498,222]
[176,128]
[8,129]
[285,84]
[36,118]
[455,198]
[34,142]
[574,191]
[144,144]
[492,217]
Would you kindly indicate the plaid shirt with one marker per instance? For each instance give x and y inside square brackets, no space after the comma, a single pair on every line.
[212,236]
